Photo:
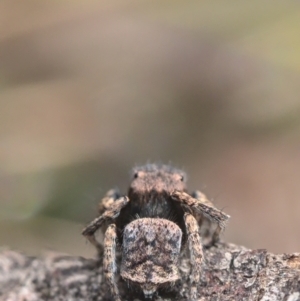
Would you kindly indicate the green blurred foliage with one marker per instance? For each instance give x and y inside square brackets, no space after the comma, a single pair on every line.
[87,90]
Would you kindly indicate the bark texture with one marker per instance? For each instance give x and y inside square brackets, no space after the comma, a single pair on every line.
[230,272]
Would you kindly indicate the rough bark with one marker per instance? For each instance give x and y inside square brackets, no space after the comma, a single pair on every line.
[230,272]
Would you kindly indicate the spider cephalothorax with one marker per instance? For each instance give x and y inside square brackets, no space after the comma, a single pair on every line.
[151,224]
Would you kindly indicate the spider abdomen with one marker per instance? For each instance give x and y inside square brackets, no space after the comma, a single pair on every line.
[150,252]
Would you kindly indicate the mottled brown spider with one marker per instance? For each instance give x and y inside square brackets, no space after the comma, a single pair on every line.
[152,224]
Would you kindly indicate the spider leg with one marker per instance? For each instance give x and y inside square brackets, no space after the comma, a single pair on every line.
[196,253]
[109,260]
[111,196]
[110,214]
[201,205]
[216,234]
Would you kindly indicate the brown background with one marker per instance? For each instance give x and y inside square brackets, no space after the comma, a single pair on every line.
[87,90]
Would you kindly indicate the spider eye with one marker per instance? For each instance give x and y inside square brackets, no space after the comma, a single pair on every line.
[181,178]
[135,175]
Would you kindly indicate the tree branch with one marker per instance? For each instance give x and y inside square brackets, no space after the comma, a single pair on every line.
[230,272]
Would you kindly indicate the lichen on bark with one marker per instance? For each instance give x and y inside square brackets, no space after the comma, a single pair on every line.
[230,272]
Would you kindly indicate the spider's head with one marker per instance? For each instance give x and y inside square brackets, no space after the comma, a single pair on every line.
[159,178]
[150,253]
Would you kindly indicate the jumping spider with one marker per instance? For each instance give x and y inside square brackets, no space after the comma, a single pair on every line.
[152,224]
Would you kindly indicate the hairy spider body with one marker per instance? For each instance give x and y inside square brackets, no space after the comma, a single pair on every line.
[152,224]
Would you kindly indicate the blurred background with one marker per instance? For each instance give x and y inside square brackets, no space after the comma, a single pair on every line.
[90,89]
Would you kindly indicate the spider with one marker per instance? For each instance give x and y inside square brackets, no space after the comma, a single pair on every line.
[152,224]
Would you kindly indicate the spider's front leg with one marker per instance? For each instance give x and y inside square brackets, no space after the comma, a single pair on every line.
[201,197]
[201,205]
[196,253]
[109,214]
[110,197]
[109,260]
